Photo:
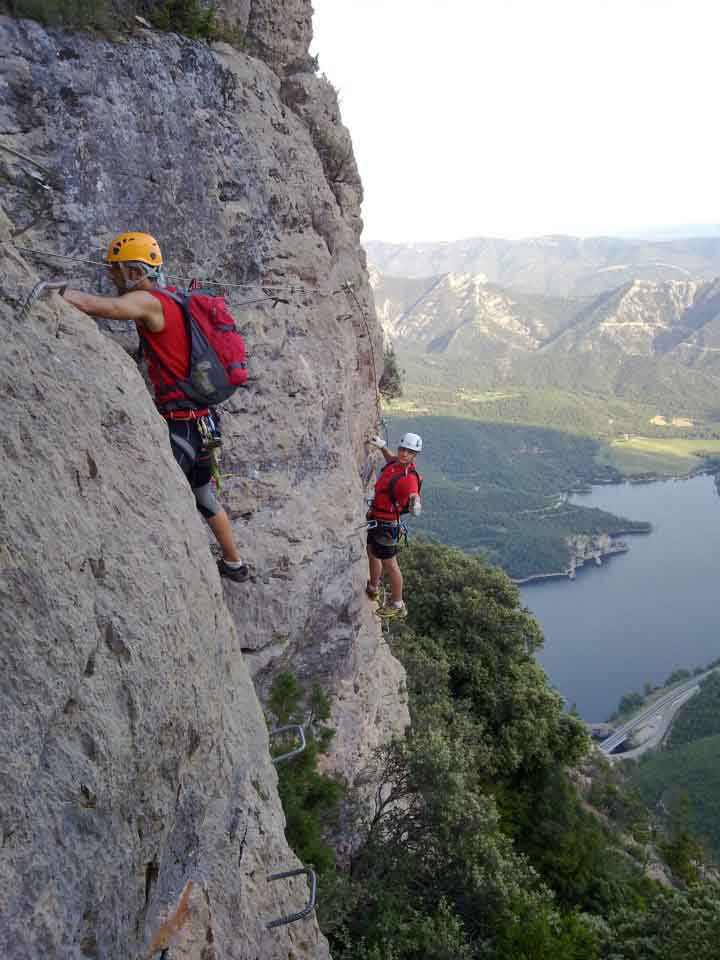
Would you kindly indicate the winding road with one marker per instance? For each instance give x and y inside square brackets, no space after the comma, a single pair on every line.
[659,714]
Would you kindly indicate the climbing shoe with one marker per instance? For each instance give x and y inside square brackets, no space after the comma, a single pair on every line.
[391,612]
[371,591]
[239,574]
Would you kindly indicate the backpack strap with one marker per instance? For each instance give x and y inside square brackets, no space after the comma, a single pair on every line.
[393,483]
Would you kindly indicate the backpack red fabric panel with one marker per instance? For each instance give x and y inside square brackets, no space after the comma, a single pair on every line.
[218,325]
[408,483]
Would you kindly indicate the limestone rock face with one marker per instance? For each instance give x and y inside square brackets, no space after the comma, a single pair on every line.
[134,754]
[282,31]
[136,758]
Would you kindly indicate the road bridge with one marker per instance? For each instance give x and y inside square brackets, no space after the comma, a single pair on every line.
[663,709]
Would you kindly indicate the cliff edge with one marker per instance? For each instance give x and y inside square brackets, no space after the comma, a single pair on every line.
[136,753]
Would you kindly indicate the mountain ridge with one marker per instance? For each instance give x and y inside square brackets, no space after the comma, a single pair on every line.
[653,343]
[556,264]
[660,315]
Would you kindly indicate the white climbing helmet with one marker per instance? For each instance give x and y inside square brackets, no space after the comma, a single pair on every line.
[411,441]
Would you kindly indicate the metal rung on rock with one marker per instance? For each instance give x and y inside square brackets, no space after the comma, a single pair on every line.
[37,291]
[293,753]
[309,906]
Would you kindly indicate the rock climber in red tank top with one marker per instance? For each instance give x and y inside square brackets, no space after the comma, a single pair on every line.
[397,491]
[135,264]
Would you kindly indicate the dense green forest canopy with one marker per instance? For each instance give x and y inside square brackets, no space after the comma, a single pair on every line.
[475,844]
[562,395]
[700,716]
[685,775]
[688,777]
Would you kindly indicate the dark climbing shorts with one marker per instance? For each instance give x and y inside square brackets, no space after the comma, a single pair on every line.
[194,461]
[383,540]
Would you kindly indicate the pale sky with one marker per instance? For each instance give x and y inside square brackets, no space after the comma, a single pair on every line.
[527,117]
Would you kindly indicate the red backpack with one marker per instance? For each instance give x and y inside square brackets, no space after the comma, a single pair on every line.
[217,350]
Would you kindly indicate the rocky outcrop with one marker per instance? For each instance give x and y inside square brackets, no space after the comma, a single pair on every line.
[584,548]
[636,320]
[458,314]
[137,750]
[461,313]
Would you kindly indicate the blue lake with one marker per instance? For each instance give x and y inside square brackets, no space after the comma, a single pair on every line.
[644,613]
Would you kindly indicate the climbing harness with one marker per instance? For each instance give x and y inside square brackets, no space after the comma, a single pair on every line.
[209,431]
[387,535]
[212,445]
[400,539]
[309,906]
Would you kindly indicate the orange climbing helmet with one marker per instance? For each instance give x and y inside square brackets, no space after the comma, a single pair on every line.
[135,248]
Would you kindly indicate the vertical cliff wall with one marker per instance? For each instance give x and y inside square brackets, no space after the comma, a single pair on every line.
[137,755]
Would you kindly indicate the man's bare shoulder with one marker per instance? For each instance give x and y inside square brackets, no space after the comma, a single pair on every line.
[147,309]
[143,298]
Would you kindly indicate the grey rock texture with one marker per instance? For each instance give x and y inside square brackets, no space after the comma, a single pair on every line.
[280,31]
[137,757]
[134,754]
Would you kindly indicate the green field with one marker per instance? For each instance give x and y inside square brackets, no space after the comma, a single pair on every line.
[672,456]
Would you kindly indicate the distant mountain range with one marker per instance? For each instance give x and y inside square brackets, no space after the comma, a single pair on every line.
[651,342]
[555,265]
[461,312]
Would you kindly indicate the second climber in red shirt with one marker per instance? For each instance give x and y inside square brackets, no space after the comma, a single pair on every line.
[397,491]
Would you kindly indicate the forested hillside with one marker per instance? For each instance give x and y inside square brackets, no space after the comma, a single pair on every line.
[700,716]
[476,844]
[682,781]
[498,490]
[526,397]
[641,357]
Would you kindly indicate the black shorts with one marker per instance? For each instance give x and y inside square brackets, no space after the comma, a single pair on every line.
[187,448]
[383,540]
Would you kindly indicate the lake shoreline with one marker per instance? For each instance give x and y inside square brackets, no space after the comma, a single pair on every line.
[634,622]
[582,563]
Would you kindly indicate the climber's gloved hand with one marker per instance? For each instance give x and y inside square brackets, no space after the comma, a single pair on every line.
[377,442]
[415,506]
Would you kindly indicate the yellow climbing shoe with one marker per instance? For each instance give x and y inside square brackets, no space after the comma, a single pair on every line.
[390,612]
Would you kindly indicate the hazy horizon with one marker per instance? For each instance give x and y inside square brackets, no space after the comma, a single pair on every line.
[517,119]
[641,235]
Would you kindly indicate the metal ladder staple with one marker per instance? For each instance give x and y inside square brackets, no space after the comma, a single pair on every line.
[40,287]
[309,906]
[292,753]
